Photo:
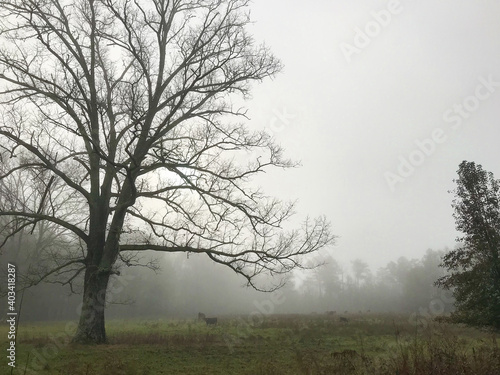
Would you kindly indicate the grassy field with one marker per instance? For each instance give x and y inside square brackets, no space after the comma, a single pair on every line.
[276,344]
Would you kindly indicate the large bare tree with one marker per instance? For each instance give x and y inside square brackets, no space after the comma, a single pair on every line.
[126,108]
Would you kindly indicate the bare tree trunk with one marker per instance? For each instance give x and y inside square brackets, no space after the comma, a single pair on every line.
[91,325]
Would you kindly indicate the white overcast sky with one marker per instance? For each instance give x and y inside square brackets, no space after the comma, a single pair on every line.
[350,123]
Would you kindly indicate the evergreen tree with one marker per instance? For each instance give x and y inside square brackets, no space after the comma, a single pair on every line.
[474,266]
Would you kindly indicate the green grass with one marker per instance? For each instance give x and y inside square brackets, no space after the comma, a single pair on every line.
[290,344]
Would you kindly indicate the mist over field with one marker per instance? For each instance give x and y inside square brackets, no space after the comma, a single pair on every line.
[184,286]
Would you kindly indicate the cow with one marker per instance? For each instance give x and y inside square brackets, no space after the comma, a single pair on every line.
[344,320]
[211,321]
[201,316]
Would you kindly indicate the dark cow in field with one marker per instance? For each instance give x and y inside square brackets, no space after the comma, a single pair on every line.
[211,321]
[345,355]
[343,320]
[201,316]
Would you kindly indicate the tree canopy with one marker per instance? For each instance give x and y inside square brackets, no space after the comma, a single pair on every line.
[123,114]
[474,265]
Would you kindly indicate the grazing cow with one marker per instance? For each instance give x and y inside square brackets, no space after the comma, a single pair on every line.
[201,316]
[331,312]
[211,321]
[344,320]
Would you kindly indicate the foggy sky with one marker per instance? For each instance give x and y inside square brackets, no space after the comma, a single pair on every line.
[351,119]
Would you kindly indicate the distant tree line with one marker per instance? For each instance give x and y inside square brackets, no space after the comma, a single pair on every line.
[405,285]
[185,286]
